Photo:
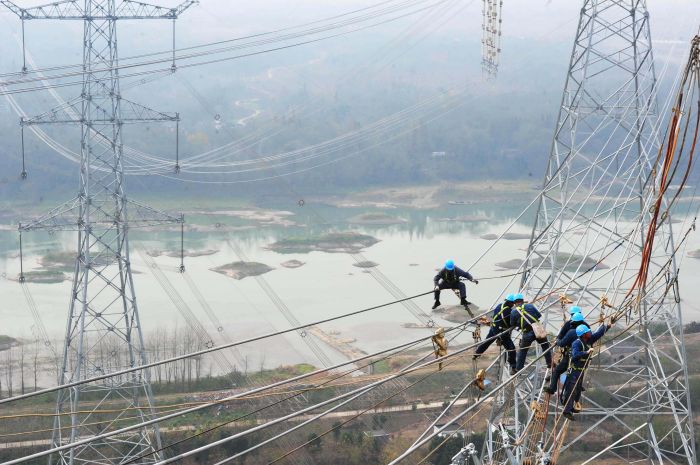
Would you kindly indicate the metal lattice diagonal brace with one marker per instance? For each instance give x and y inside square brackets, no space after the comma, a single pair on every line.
[587,240]
[103,331]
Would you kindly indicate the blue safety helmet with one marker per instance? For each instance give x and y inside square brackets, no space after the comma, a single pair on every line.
[577,317]
[518,297]
[574,309]
[582,329]
[450,265]
[510,298]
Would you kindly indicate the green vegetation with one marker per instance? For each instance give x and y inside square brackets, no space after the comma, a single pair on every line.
[340,242]
[376,219]
[234,379]
[240,270]
[45,276]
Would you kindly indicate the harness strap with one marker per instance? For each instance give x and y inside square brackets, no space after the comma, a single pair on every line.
[530,319]
[495,317]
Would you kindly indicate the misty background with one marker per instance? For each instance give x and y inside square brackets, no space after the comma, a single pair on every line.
[289,99]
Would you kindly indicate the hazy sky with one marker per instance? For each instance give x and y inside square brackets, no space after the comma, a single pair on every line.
[552,20]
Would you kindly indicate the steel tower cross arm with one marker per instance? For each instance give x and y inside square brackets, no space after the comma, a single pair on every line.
[66,217]
[130,9]
[131,113]
[66,9]
[71,10]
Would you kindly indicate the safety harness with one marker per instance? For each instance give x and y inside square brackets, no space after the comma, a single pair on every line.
[523,314]
[499,316]
[572,366]
[450,277]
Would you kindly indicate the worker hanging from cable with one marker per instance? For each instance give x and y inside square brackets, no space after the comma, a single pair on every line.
[581,351]
[449,278]
[526,317]
[566,337]
[440,345]
[500,326]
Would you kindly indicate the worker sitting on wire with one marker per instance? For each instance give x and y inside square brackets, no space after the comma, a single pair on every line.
[500,330]
[581,351]
[526,317]
[449,278]
[566,337]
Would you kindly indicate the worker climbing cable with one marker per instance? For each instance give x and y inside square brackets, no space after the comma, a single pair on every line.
[500,324]
[566,337]
[526,318]
[449,278]
[581,350]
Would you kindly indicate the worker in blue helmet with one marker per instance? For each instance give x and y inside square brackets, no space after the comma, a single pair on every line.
[500,330]
[566,337]
[523,316]
[449,278]
[581,350]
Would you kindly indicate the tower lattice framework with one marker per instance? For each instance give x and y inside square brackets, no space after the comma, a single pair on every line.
[103,331]
[586,246]
[491,37]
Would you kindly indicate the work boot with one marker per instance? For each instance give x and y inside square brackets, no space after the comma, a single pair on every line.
[436,304]
[476,356]
[569,416]
[513,371]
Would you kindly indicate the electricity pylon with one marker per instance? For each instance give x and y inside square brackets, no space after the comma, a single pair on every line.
[491,37]
[586,245]
[103,332]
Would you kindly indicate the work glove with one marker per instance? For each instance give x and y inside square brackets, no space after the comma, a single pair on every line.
[476,281]
[437,288]
[590,351]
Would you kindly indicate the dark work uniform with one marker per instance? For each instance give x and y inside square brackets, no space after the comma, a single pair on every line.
[577,365]
[500,323]
[521,318]
[449,279]
[566,336]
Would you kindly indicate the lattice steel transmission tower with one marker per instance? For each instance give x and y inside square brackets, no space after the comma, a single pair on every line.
[103,331]
[594,210]
[491,37]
